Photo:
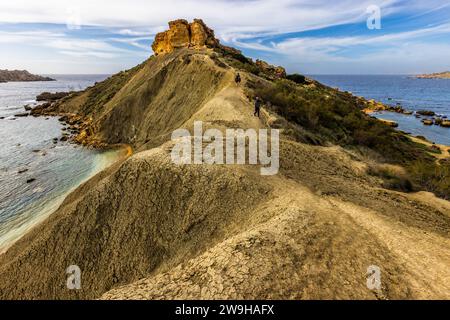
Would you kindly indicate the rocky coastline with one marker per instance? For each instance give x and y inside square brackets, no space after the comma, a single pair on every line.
[77,129]
[21,76]
[439,75]
[427,117]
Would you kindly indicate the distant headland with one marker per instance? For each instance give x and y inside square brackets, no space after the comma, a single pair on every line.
[440,75]
[20,75]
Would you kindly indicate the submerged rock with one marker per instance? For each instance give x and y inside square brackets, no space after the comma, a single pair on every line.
[22,115]
[427,122]
[390,123]
[426,113]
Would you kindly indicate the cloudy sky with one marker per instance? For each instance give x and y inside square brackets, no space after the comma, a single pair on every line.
[306,36]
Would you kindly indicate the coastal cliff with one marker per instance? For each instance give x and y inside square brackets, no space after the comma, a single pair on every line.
[439,75]
[348,193]
[20,75]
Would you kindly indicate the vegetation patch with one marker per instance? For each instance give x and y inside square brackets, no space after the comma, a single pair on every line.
[336,117]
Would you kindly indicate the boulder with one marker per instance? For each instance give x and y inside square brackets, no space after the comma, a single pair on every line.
[178,35]
[390,123]
[426,113]
[277,72]
[47,96]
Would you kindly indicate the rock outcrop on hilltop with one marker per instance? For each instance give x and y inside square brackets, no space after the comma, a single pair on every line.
[20,75]
[182,34]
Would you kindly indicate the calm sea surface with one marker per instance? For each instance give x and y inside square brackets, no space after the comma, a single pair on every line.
[412,94]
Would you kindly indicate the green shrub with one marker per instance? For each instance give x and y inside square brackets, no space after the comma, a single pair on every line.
[432,176]
[391,179]
[297,78]
[336,117]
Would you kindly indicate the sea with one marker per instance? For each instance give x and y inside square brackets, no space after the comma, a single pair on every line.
[411,93]
[35,173]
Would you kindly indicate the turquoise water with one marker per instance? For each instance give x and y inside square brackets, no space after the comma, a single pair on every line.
[26,144]
[413,94]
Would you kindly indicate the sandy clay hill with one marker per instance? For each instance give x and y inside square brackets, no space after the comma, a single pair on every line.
[149,229]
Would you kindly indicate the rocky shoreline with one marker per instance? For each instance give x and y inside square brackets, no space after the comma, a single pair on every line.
[428,117]
[77,129]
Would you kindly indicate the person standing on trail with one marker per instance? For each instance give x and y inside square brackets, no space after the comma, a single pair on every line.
[257,106]
[238,79]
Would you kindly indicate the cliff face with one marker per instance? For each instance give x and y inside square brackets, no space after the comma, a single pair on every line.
[182,34]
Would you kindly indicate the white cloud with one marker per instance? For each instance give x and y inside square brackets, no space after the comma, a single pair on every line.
[227,16]
[239,22]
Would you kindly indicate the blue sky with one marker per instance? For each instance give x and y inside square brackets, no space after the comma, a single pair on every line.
[306,36]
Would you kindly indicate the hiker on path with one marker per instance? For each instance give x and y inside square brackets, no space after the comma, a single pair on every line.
[257,106]
[238,79]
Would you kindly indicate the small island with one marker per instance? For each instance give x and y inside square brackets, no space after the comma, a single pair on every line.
[440,75]
[20,76]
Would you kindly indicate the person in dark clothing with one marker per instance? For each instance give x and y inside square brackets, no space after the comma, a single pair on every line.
[257,106]
[238,79]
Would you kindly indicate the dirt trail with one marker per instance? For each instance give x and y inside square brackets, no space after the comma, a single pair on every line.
[425,256]
[229,108]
